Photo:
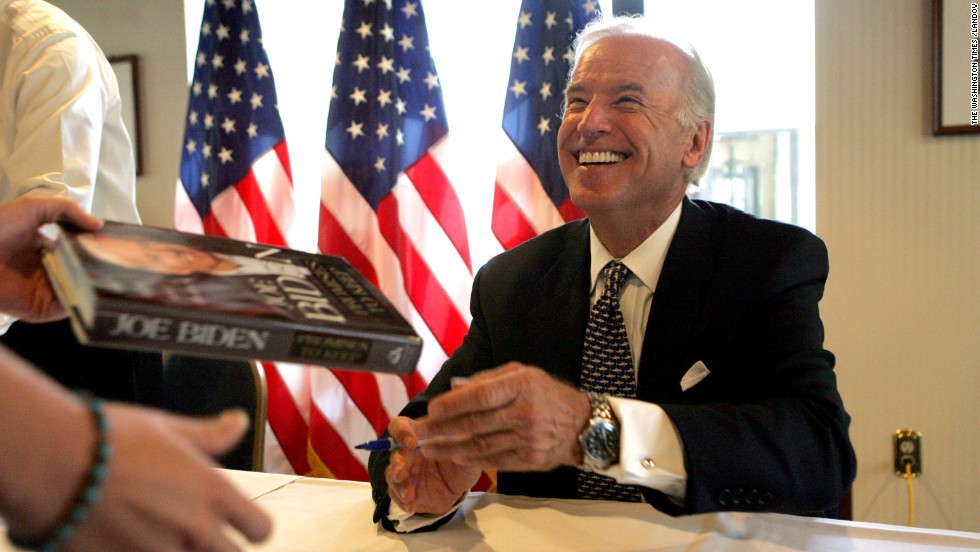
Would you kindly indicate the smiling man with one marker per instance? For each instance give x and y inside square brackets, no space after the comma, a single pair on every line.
[664,349]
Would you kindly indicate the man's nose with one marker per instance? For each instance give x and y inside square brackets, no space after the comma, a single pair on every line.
[594,122]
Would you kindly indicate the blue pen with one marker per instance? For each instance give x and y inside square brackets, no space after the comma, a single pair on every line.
[380,444]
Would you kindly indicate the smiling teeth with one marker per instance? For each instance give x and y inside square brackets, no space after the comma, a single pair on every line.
[600,157]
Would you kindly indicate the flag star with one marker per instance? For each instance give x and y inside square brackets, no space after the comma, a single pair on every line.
[261,70]
[400,137]
[208,121]
[228,4]
[205,180]
[212,91]
[520,54]
[384,97]
[406,42]
[432,81]
[206,29]
[225,155]
[388,32]
[336,60]
[365,30]
[387,65]
[382,131]
[380,164]
[367,2]
[549,55]
[403,75]
[206,151]
[256,100]
[228,125]
[192,117]
[545,91]
[355,130]
[569,21]
[409,9]
[362,63]
[191,146]
[197,88]
[222,32]
[234,96]
[218,61]
[549,20]
[243,36]
[240,67]
[590,7]
[569,55]
[333,92]
[400,106]
[358,96]
[544,126]
[428,112]
[518,88]
[253,130]
[388,4]
[524,20]
[246,6]
[201,59]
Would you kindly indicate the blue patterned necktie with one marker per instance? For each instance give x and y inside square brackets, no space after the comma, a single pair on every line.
[607,368]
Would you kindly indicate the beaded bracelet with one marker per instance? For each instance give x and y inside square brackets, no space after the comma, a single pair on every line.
[89,495]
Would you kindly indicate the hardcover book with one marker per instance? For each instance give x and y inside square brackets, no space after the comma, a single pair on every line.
[138,287]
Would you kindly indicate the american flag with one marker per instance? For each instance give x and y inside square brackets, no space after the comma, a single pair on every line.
[530,196]
[389,208]
[235,177]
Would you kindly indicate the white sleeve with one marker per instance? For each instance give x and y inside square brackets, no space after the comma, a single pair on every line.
[405,522]
[650,450]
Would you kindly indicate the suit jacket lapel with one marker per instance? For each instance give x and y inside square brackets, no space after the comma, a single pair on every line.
[676,304]
[557,323]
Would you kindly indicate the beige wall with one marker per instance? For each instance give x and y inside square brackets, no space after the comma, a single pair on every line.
[897,207]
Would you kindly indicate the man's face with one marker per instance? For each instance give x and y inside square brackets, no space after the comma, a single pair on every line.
[620,147]
[150,255]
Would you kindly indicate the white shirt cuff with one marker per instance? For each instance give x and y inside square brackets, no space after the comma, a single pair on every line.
[650,450]
[406,522]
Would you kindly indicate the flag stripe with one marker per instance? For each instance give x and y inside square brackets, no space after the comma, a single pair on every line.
[287,423]
[508,223]
[440,197]
[335,240]
[363,389]
[429,298]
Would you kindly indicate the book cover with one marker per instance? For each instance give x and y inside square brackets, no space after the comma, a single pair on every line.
[139,287]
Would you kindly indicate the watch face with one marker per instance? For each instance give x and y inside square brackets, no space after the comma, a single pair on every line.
[601,441]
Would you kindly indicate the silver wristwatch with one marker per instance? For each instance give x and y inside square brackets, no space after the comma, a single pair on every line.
[600,438]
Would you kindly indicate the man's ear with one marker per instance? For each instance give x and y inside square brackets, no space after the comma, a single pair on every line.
[700,141]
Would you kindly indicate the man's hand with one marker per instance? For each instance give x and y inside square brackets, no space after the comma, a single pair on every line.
[24,288]
[421,485]
[517,417]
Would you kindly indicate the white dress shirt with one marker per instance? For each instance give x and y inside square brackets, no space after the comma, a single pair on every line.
[650,451]
[61,125]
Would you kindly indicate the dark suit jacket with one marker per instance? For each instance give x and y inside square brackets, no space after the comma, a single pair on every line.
[765,431]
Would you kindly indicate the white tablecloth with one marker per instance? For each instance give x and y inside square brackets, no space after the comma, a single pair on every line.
[322,514]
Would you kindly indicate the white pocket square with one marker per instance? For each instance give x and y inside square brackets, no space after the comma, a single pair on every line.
[694,376]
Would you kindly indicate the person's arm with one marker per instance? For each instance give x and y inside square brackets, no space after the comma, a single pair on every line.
[58,119]
[161,492]
[768,431]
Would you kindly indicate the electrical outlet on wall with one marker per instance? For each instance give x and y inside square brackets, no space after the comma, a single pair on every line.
[908,452]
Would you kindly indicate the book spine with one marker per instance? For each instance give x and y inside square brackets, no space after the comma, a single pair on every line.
[207,337]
